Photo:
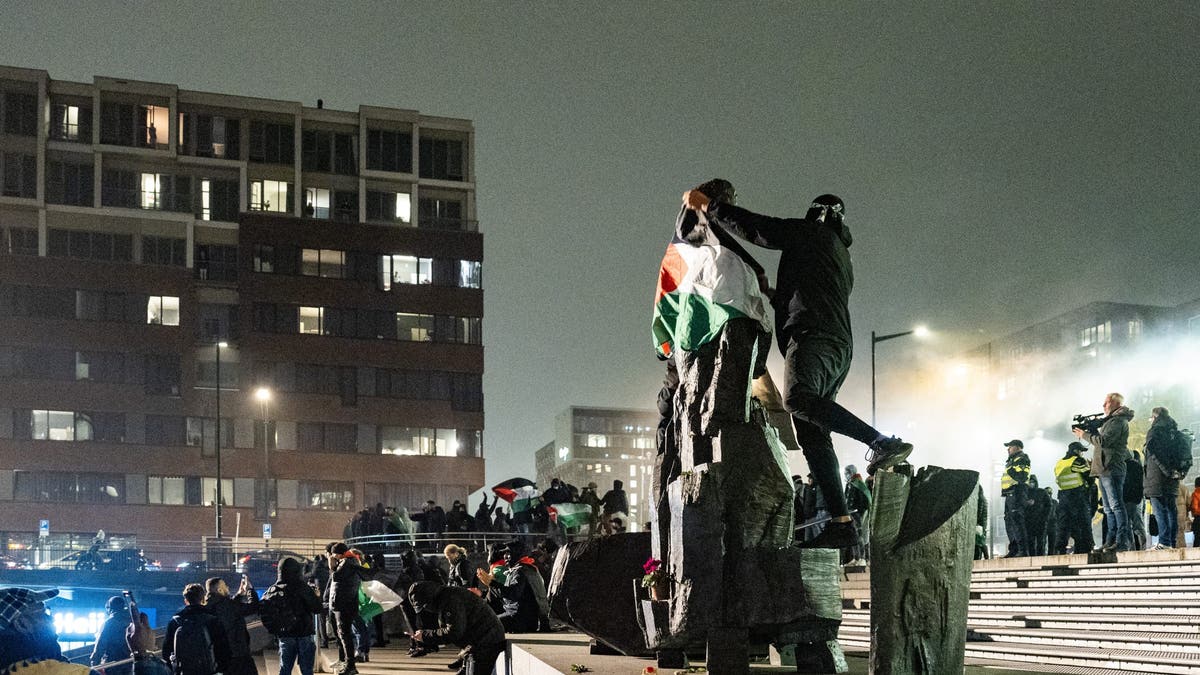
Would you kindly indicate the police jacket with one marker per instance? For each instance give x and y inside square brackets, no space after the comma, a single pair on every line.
[1016,472]
[1072,472]
[815,275]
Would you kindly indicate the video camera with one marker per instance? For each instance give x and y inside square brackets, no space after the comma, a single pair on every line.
[1089,423]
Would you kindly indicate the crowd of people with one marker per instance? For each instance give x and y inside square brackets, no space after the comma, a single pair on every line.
[607,515]
[1116,483]
[811,512]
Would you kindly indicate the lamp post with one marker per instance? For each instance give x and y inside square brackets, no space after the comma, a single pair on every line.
[220,492]
[919,331]
[263,396]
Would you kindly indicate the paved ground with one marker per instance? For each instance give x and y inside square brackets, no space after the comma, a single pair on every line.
[559,650]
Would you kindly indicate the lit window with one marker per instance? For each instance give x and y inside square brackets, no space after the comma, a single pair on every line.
[316,202]
[158,122]
[205,200]
[1135,330]
[633,483]
[414,327]
[633,499]
[162,310]
[67,119]
[632,472]
[596,441]
[404,269]
[470,274]
[310,320]
[53,425]
[403,207]
[151,190]
[269,195]
[323,262]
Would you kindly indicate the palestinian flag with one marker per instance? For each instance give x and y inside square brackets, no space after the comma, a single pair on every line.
[522,493]
[702,284]
[570,515]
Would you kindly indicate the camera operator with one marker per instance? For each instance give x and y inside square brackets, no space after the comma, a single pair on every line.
[1110,444]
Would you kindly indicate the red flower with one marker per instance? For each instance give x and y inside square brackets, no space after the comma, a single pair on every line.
[652,565]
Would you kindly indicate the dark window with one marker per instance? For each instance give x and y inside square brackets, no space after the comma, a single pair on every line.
[441,158]
[466,392]
[68,183]
[117,123]
[43,364]
[70,122]
[269,318]
[85,245]
[20,114]
[389,150]
[264,258]
[19,241]
[106,427]
[317,150]
[20,175]
[120,188]
[164,251]
[163,374]
[219,200]
[345,206]
[345,159]
[271,143]
[167,430]
[58,486]
[202,433]
[100,367]
[216,322]
[314,379]
[441,214]
[216,263]
[210,136]
[310,436]
[266,499]
[42,303]
[109,306]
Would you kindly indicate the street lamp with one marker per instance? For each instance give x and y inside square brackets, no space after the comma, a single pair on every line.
[220,492]
[918,331]
[263,395]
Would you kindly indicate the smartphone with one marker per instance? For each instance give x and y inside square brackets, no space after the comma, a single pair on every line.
[132,605]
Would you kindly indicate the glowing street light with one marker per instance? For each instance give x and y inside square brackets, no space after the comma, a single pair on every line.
[262,394]
[920,331]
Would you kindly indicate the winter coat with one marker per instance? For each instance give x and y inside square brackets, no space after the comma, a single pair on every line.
[1133,480]
[344,584]
[483,518]
[1110,444]
[615,501]
[815,274]
[300,596]
[232,613]
[111,646]
[216,633]
[1158,481]
[463,619]
[462,573]
[524,594]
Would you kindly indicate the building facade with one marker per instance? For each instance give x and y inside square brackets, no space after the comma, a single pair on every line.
[313,274]
[601,445]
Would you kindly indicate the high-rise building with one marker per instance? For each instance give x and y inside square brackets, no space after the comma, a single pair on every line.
[312,274]
[601,445]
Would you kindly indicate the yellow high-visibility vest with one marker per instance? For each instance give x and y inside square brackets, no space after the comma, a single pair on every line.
[1064,472]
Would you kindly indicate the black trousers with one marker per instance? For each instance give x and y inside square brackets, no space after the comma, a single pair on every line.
[1195,532]
[1014,523]
[482,659]
[343,623]
[814,370]
[1074,521]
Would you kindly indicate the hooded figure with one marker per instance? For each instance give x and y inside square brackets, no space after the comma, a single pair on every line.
[296,645]
[463,619]
[110,643]
[522,591]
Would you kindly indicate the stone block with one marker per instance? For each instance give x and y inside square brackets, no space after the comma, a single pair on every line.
[592,588]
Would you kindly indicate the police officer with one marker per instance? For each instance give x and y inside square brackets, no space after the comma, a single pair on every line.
[1013,487]
[1074,478]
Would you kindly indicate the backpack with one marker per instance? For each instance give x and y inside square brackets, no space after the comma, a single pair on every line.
[277,611]
[193,653]
[1175,453]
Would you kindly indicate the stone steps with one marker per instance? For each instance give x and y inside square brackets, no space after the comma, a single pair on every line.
[1140,614]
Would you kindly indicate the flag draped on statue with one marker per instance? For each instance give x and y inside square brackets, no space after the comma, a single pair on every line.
[570,515]
[704,281]
[522,493]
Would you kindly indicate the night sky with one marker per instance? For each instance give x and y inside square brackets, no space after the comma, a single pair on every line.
[1000,162]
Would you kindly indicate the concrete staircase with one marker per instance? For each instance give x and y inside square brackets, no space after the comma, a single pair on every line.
[1058,614]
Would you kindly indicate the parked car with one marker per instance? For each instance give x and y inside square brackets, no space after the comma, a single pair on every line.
[261,565]
[9,562]
[192,566]
[123,559]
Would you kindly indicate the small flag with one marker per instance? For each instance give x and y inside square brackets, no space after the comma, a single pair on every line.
[570,515]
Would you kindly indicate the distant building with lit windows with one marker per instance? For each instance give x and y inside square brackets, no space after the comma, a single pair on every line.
[336,255]
[602,445]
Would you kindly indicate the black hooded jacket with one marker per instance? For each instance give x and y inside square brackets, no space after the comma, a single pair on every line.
[232,613]
[815,276]
[300,596]
[463,618]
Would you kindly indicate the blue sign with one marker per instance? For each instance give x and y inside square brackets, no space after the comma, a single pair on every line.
[43,528]
[266,530]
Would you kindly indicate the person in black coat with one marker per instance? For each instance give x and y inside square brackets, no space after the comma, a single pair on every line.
[194,610]
[462,619]
[232,613]
[462,571]
[812,324]
[296,641]
[110,644]
[346,578]
[1135,509]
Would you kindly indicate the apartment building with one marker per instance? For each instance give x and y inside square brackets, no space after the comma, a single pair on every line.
[190,279]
